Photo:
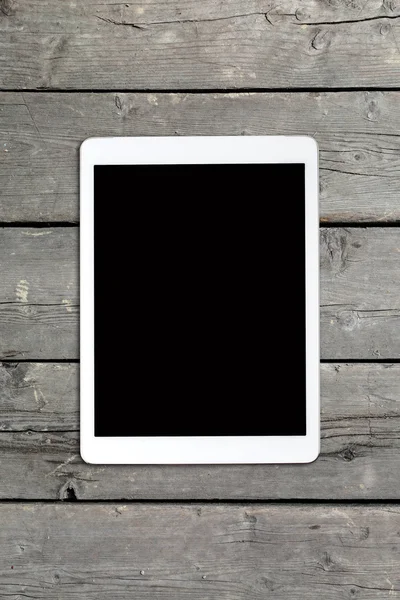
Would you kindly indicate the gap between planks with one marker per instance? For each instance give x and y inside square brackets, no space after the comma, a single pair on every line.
[210,501]
[221,91]
[325,225]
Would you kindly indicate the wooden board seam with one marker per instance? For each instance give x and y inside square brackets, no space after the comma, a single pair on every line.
[197,91]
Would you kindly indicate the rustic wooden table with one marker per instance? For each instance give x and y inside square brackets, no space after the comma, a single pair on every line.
[69,70]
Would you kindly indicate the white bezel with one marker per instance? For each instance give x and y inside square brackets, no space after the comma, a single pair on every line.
[207,449]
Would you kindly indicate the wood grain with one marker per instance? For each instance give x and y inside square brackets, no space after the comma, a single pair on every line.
[225,551]
[359,287]
[197,45]
[39,396]
[109,551]
[39,298]
[360,456]
[356,132]
[360,313]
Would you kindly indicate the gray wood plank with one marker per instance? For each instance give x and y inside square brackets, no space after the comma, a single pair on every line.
[356,132]
[359,288]
[109,551]
[39,297]
[360,310]
[195,45]
[360,457]
[39,396]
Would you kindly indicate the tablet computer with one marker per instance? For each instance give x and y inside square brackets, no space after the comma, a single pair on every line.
[199,300]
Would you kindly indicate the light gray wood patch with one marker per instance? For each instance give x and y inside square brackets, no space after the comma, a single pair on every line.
[360,455]
[109,551]
[197,45]
[356,132]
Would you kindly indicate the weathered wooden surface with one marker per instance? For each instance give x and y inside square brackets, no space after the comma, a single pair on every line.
[360,313]
[197,45]
[359,287]
[39,297]
[356,132]
[142,550]
[360,457]
[39,396]
[108,551]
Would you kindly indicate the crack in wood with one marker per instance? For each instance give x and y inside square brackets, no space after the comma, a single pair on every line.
[31,116]
[354,173]
[18,304]
[123,23]
[349,21]
[180,21]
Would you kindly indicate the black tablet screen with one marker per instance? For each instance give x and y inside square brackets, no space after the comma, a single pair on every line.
[199,300]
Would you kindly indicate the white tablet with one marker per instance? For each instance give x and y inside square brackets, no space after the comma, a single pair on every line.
[199,300]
